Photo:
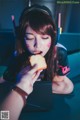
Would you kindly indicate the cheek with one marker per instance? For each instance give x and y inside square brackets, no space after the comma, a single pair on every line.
[27,45]
[49,44]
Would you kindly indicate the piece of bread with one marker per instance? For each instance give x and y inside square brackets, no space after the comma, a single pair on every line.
[39,60]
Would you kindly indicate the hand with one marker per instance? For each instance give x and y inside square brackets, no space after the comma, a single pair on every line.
[27,77]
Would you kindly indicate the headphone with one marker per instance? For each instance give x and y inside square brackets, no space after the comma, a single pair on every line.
[42,8]
[28,9]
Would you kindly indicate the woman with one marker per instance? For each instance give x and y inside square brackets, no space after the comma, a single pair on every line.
[37,35]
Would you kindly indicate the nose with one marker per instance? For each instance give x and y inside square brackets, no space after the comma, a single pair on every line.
[37,42]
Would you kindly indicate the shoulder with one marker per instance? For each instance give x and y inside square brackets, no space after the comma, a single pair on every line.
[13,67]
[14,60]
[63,66]
[61,51]
[58,45]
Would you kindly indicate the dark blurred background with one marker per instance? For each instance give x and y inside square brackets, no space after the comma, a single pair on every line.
[70,13]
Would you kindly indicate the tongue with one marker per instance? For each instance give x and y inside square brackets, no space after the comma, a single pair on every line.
[40,52]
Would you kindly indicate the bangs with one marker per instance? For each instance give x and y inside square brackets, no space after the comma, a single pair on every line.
[45,29]
[40,22]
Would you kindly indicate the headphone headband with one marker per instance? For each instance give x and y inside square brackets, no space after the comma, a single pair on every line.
[37,8]
[44,9]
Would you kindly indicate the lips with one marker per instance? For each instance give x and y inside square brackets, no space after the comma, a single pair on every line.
[37,52]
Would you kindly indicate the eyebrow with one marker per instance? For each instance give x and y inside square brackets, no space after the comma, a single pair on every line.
[29,33]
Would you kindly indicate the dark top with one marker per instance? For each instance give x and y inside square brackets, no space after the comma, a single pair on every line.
[63,65]
[15,63]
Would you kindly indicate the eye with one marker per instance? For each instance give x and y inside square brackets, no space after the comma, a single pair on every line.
[29,36]
[45,37]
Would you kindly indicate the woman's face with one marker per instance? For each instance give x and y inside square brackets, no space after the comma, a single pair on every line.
[37,43]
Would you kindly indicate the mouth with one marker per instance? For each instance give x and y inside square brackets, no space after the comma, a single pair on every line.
[37,52]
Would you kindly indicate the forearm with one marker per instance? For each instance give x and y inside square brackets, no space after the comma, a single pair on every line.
[62,87]
[15,101]
[58,87]
[14,104]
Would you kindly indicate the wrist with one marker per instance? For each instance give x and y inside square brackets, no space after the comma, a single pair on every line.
[22,86]
[21,92]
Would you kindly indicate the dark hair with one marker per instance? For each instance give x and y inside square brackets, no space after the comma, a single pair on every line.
[40,20]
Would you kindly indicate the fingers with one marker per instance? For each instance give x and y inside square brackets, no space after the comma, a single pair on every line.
[28,69]
[36,76]
[28,79]
[33,69]
[29,73]
[25,70]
